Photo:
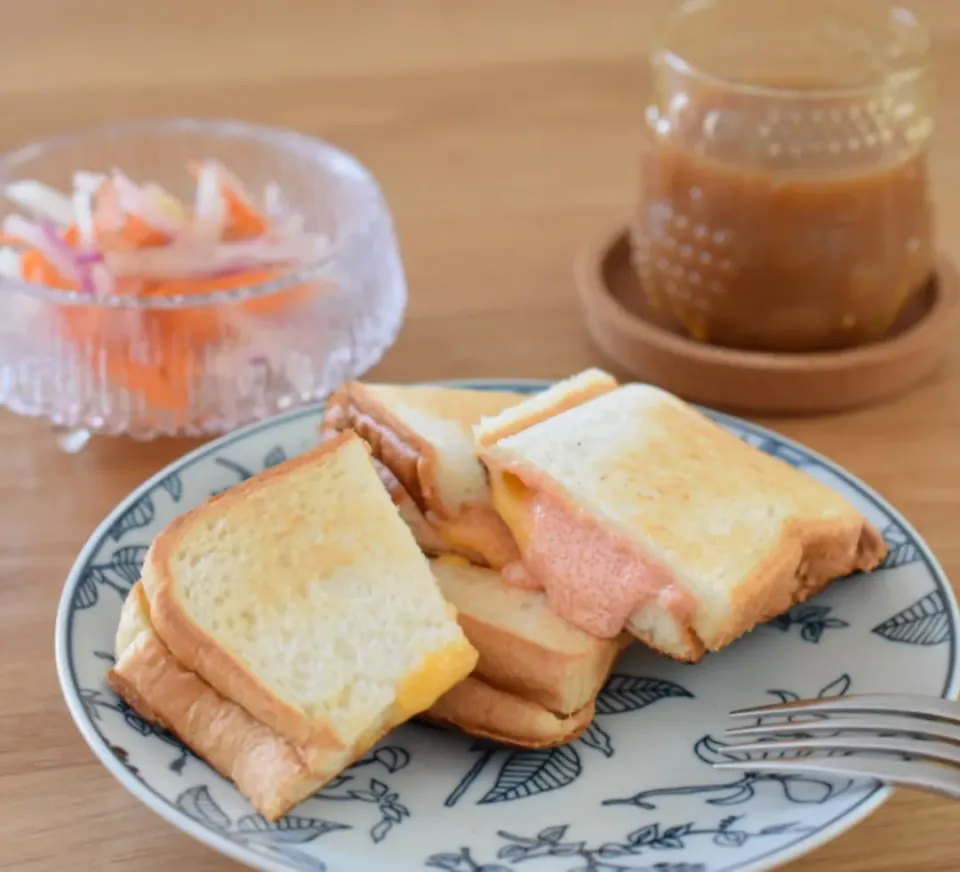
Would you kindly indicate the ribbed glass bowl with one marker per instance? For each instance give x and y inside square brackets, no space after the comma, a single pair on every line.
[202,365]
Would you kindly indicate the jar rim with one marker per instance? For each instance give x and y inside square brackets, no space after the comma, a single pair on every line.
[910,66]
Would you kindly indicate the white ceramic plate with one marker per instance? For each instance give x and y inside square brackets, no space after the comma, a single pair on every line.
[636,792]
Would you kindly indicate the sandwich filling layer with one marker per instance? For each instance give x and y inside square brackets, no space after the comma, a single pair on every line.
[593,577]
[474,530]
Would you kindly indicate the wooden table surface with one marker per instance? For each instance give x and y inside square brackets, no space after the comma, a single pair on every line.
[504,134]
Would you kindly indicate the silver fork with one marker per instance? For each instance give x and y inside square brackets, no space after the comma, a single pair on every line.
[911,741]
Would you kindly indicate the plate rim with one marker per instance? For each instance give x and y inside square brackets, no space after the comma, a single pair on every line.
[63,634]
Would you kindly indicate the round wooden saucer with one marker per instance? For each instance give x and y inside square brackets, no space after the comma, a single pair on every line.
[619,321]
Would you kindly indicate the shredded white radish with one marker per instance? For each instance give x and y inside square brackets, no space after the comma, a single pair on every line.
[17,227]
[89,182]
[166,205]
[42,200]
[83,215]
[137,201]
[191,259]
[210,208]
[10,266]
[107,214]
[188,243]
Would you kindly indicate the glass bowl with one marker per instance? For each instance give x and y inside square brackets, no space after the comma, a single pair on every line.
[201,365]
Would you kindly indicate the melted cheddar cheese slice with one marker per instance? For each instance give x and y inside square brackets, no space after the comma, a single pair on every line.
[512,499]
[437,673]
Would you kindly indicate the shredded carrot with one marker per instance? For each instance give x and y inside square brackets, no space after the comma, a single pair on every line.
[177,341]
[177,338]
[207,322]
[115,229]
[135,233]
[36,268]
[163,380]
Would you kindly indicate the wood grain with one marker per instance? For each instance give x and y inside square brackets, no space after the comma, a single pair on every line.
[504,135]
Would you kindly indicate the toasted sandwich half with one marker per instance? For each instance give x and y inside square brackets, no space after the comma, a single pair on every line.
[525,648]
[422,437]
[634,511]
[537,679]
[301,596]
[264,766]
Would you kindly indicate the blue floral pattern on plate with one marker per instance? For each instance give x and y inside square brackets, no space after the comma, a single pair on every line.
[636,792]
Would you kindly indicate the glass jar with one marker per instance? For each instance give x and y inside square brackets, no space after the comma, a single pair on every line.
[784,192]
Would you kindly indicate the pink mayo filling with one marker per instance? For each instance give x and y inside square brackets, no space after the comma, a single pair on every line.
[593,577]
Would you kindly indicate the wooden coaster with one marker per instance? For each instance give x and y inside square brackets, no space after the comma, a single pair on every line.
[620,322]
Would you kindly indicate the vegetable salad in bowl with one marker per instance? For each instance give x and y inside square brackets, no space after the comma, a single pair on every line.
[183,278]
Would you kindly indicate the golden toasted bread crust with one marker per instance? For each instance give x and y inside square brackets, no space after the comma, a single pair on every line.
[690,650]
[264,767]
[560,682]
[810,557]
[193,648]
[564,395]
[485,712]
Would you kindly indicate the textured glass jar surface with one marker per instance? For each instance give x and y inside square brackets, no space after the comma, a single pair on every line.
[784,189]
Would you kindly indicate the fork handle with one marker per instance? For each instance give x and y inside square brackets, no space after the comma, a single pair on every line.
[928,778]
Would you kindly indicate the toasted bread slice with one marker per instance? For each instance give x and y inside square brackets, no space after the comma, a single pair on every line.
[302,596]
[560,396]
[265,767]
[424,437]
[429,540]
[525,648]
[633,510]
[476,708]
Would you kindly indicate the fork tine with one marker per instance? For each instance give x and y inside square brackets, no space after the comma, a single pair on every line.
[922,776]
[877,703]
[869,724]
[913,747]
